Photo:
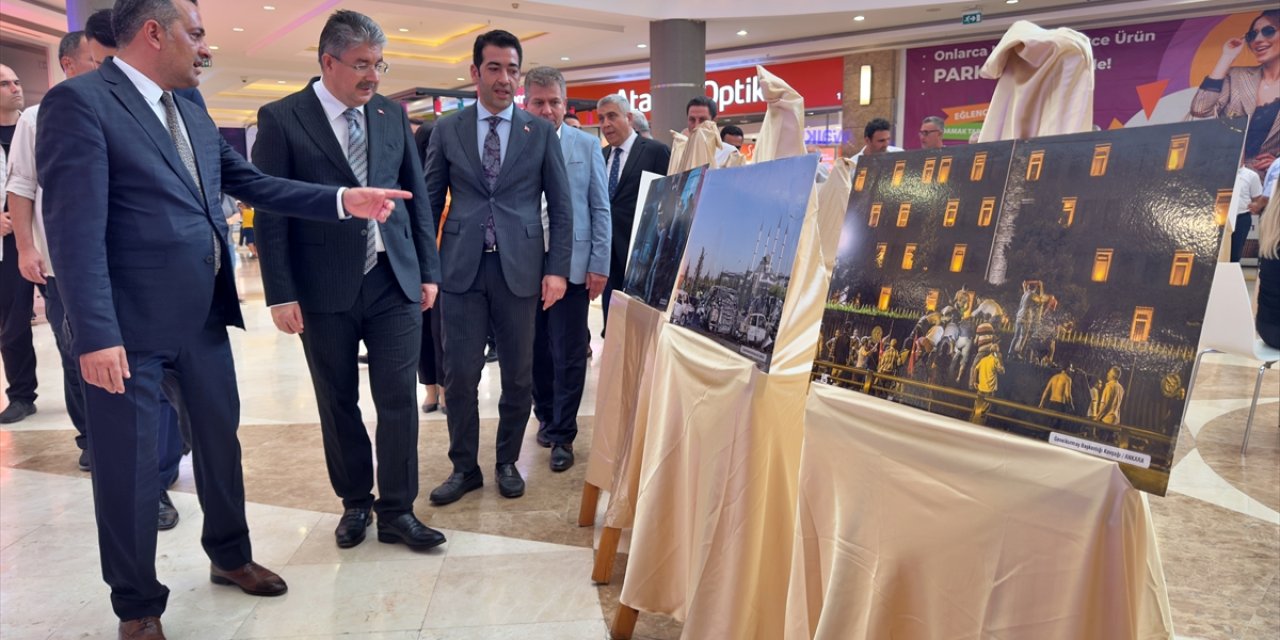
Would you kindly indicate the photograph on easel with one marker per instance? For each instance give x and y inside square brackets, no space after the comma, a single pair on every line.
[1053,288]
[660,239]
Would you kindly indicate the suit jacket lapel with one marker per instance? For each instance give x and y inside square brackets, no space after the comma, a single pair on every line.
[206,150]
[633,160]
[567,147]
[137,107]
[467,132]
[516,141]
[314,121]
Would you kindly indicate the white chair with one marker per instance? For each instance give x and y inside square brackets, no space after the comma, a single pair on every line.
[1228,328]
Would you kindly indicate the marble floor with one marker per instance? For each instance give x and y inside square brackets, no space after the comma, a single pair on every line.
[518,569]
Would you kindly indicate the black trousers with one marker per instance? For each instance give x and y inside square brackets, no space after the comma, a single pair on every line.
[560,364]
[604,306]
[17,299]
[123,441]
[1244,222]
[391,327]
[72,392]
[466,318]
[430,365]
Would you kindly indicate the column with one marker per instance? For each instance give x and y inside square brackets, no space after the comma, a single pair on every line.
[677,72]
[883,99]
[79,10]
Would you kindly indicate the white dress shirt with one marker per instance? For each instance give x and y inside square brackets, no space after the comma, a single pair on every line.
[21,177]
[858,156]
[613,156]
[504,129]
[333,110]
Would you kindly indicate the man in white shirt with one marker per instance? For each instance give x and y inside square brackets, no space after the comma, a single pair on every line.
[1251,201]
[699,110]
[16,294]
[876,136]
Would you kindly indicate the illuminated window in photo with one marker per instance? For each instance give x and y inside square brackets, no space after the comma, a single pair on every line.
[1141,329]
[931,300]
[909,257]
[881,250]
[1180,274]
[1102,264]
[861,180]
[987,212]
[979,166]
[1035,165]
[1221,206]
[1178,152]
[1068,216]
[957,257]
[944,170]
[874,220]
[904,213]
[899,168]
[949,216]
[930,164]
[1101,154]
[885,293]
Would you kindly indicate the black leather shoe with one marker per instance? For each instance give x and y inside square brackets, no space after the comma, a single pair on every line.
[84,460]
[455,487]
[350,531]
[561,457]
[510,484]
[168,518]
[407,529]
[17,411]
[542,435]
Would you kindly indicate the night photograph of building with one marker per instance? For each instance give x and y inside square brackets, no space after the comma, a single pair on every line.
[659,241]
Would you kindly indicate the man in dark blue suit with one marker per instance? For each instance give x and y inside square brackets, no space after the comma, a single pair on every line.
[132,178]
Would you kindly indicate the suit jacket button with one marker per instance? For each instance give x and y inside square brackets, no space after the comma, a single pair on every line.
[208,259]
[491,200]
[364,232]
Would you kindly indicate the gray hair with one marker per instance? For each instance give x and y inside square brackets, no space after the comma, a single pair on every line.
[128,16]
[544,77]
[942,124]
[623,105]
[639,122]
[346,29]
[70,44]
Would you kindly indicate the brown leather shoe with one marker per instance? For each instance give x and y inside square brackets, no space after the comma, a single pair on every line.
[141,629]
[253,579]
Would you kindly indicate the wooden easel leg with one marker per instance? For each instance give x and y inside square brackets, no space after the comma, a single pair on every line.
[624,623]
[587,512]
[605,555]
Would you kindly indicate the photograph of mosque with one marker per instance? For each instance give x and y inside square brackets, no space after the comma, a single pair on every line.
[658,246]
[742,245]
[1053,288]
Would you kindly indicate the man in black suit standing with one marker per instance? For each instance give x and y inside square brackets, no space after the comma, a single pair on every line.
[497,162]
[627,156]
[339,284]
[132,177]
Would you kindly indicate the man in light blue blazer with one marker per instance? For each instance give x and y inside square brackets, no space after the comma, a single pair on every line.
[561,338]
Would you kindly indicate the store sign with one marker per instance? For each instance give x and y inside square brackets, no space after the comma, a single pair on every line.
[738,91]
[825,136]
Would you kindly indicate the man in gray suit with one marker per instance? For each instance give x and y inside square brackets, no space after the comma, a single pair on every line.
[497,162]
[340,284]
[560,345]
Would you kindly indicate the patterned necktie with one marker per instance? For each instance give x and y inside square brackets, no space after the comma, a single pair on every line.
[188,161]
[614,171]
[492,160]
[358,158]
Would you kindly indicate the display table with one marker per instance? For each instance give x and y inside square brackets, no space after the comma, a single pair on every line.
[911,525]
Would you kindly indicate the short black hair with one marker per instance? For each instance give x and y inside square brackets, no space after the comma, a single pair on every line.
[574,115]
[128,16]
[731,130]
[702,101]
[498,38]
[877,124]
[69,44]
[98,28]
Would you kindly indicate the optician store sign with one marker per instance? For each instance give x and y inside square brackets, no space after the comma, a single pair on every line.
[737,91]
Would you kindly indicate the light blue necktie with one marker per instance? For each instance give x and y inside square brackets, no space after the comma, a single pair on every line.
[358,157]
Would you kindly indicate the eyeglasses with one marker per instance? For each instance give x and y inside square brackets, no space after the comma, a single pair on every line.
[1267,32]
[925,132]
[381,67]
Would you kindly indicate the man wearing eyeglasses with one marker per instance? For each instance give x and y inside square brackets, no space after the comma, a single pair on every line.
[931,133]
[337,285]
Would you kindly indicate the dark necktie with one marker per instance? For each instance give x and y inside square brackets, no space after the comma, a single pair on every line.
[188,161]
[614,171]
[358,158]
[492,166]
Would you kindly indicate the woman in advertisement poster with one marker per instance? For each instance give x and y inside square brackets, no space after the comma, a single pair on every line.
[1252,91]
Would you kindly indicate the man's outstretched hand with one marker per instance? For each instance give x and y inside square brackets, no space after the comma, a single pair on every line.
[371,202]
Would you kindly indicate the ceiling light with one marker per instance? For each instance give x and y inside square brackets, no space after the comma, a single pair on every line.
[403,30]
[237,29]
[279,81]
[462,79]
[213,47]
[564,58]
[642,46]
[859,18]
[1011,1]
[267,7]
[742,32]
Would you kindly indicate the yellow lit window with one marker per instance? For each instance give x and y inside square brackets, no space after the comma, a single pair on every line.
[1178,152]
[884,298]
[904,212]
[944,169]
[1180,274]
[979,166]
[1102,264]
[1141,329]
[987,212]
[874,220]
[1221,206]
[1068,216]
[949,216]
[926,176]
[909,257]
[1101,154]
[881,250]
[931,300]
[899,168]
[861,180]
[957,257]
[1035,165]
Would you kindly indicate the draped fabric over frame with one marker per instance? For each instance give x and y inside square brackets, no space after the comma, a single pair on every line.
[1045,84]
[912,525]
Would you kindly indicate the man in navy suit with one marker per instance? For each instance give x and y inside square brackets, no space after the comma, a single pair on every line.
[132,178]
[497,162]
[560,344]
